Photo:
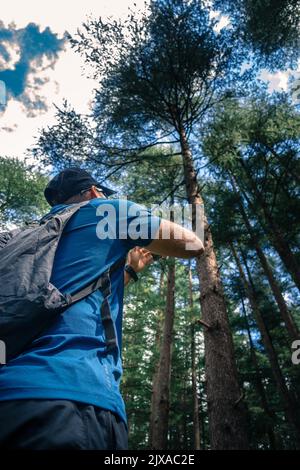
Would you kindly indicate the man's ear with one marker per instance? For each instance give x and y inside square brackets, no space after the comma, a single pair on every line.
[94,193]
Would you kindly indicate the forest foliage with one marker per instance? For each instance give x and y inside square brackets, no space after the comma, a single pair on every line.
[180,116]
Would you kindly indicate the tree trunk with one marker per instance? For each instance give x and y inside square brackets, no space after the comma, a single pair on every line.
[275,233]
[160,313]
[202,411]
[225,408]
[161,382]
[279,379]
[285,314]
[196,421]
[185,406]
[259,384]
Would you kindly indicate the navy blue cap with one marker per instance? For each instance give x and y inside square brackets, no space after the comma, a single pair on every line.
[70,182]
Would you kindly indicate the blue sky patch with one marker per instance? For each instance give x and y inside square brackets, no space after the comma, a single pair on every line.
[34,45]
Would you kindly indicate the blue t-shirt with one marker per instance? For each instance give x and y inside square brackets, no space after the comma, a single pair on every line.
[69,360]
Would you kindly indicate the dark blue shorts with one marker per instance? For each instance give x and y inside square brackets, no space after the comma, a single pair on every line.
[59,424]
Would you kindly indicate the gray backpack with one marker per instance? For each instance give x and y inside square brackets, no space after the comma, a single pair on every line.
[29,303]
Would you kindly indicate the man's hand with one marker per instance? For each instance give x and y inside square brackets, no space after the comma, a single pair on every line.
[138,258]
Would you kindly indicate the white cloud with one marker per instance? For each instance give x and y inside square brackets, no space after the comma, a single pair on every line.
[65,80]
[62,15]
[280,81]
[70,82]
[20,129]
[277,81]
[14,53]
[222,20]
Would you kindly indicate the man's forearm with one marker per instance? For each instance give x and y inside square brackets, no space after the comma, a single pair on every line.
[176,241]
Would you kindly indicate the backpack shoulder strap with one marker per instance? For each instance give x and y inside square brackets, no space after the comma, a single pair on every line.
[103,283]
[64,213]
[95,285]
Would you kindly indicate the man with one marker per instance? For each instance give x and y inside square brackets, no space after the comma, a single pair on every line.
[63,391]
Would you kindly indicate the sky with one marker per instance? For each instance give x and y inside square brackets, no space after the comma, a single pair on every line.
[40,69]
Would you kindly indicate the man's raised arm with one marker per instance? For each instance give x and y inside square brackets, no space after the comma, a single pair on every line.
[174,240]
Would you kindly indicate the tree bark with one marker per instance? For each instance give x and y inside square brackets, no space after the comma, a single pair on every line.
[201,410]
[196,420]
[227,423]
[160,313]
[161,382]
[185,405]
[259,384]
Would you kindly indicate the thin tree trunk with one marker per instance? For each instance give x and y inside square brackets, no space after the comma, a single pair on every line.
[259,384]
[225,408]
[160,315]
[279,380]
[196,421]
[284,311]
[158,335]
[161,281]
[202,413]
[185,407]
[161,382]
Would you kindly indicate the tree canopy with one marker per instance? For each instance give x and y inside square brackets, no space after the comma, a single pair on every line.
[21,193]
[180,116]
[269,27]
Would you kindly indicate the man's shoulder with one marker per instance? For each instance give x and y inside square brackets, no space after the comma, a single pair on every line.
[119,204]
